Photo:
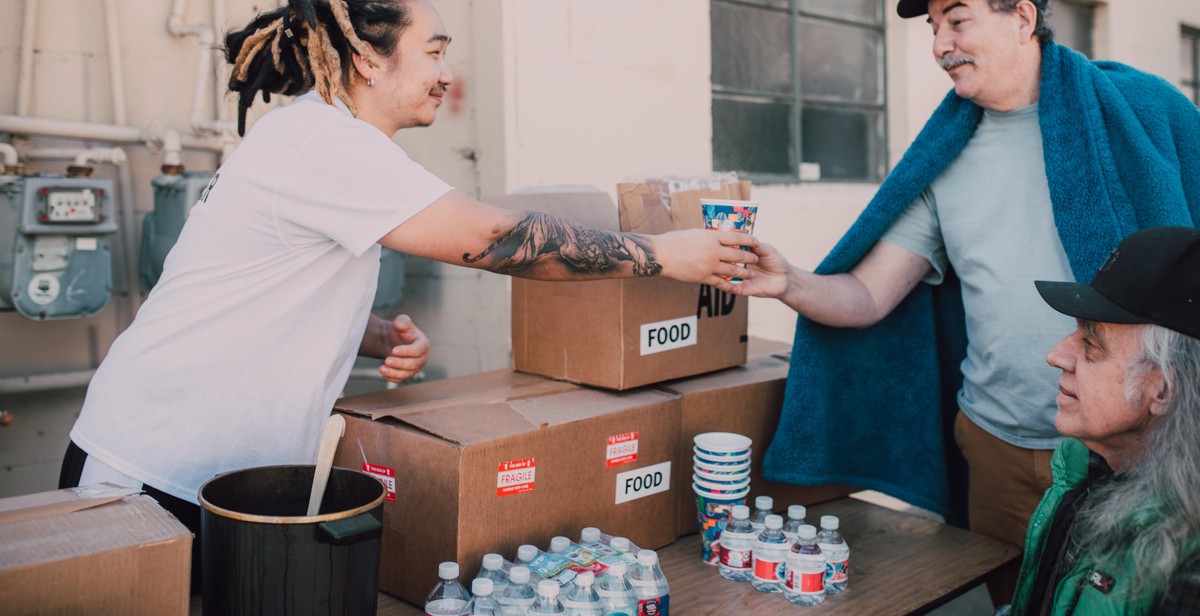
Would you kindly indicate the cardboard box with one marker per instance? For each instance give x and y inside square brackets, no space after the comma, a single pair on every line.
[488,462]
[620,334]
[94,550]
[746,400]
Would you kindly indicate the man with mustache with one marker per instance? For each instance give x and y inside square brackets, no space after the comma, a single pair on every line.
[1118,531]
[1034,167]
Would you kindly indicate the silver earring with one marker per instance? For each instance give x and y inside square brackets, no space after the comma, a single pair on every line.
[370,82]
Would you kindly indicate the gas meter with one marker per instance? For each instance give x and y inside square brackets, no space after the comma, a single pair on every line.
[55,261]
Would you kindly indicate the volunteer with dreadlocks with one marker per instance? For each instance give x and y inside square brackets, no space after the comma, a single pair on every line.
[240,351]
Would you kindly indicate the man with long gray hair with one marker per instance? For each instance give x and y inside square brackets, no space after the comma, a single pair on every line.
[1119,529]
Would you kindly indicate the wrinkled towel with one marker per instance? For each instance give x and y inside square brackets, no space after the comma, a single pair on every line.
[874,408]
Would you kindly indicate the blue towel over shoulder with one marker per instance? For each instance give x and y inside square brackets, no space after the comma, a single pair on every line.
[874,408]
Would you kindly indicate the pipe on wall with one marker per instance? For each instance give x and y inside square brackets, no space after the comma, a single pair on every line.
[111,133]
[116,73]
[25,71]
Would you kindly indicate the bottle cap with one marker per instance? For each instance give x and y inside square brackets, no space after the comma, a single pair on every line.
[647,558]
[559,544]
[797,512]
[618,568]
[519,574]
[492,562]
[590,534]
[741,512]
[585,578]
[807,531]
[527,553]
[829,521]
[764,502]
[548,588]
[619,544]
[448,570]
[773,522]
[482,587]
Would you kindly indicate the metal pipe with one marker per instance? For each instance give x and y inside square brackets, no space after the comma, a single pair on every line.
[116,73]
[81,156]
[45,382]
[10,155]
[222,73]
[106,132]
[25,72]
[206,37]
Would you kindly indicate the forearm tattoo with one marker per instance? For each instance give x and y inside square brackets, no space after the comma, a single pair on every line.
[584,250]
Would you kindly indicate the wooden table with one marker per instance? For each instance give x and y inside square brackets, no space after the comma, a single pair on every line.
[899,564]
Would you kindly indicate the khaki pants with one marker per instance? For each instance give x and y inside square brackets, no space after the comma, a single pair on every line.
[1006,484]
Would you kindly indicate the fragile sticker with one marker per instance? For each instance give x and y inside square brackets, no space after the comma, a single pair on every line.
[384,474]
[622,449]
[516,477]
[642,482]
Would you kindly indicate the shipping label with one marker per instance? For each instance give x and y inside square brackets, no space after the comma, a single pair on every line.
[622,449]
[384,474]
[515,477]
[668,335]
[642,482]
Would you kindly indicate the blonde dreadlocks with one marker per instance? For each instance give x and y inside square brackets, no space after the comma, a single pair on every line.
[307,44]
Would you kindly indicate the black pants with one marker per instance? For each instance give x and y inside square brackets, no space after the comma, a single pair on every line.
[184,511]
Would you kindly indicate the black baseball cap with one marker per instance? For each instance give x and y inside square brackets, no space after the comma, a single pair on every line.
[1153,276]
[912,8]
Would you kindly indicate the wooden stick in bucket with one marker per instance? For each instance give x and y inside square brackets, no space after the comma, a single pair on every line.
[335,427]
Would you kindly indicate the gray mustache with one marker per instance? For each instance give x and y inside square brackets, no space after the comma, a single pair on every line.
[949,62]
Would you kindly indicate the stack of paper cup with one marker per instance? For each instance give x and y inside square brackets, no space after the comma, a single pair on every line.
[721,479]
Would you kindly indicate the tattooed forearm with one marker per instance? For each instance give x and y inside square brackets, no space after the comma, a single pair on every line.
[582,250]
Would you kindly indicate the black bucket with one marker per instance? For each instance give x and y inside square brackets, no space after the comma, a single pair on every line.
[262,555]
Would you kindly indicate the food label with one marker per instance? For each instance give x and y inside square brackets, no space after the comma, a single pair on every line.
[642,482]
[668,335]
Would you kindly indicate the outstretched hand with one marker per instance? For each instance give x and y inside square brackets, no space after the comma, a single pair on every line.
[409,351]
[770,274]
[705,256]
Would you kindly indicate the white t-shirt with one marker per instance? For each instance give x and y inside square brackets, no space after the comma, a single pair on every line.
[238,354]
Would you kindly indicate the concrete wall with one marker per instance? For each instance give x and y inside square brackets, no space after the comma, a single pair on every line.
[547,92]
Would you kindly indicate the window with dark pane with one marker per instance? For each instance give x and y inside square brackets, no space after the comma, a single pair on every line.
[798,89]
[1073,21]
[1189,63]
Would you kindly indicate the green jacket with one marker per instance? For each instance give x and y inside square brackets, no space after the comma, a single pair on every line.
[1085,589]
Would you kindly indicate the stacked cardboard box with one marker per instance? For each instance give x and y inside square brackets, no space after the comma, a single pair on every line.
[92,550]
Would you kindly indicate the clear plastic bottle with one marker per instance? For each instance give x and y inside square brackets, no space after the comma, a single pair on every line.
[762,508]
[837,555]
[448,597]
[547,600]
[650,584]
[493,569]
[519,595]
[617,597]
[526,553]
[737,546]
[483,603]
[805,569]
[590,534]
[625,552]
[770,556]
[559,544]
[795,519]
[581,599]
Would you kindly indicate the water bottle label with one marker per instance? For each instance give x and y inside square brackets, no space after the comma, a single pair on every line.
[769,570]
[516,476]
[837,572]
[442,607]
[736,559]
[658,606]
[809,583]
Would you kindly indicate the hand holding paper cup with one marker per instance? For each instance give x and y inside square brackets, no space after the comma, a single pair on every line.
[729,215]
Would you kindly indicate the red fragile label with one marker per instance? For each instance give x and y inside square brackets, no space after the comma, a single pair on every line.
[515,477]
[386,475]
[622,449]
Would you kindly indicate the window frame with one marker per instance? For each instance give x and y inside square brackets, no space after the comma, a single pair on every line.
[1192,35]
[798,102]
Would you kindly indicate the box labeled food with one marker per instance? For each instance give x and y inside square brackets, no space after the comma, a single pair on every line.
[621,334]
[488,462]
[99,549]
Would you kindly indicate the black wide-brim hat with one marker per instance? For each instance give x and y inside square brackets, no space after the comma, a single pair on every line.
[1153,276]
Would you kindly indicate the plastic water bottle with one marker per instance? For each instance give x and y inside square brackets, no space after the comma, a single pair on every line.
[805,569]
[547,601]
[737,546]
[762,508]
[526,553]
[493,569]
[519,596]
[582,599]
[617,597]
[795,519]
[559,544]
[770,556]
[482,603]
[448,597]
[590,534]
[650,584]
[837,555]
[625,552]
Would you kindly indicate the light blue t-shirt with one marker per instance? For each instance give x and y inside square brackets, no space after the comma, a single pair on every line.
[989,216]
